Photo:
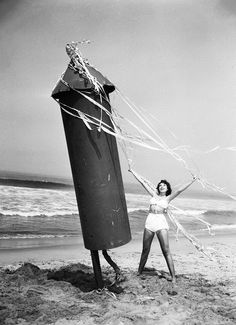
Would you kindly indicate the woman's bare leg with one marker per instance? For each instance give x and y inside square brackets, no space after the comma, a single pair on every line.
[147,241]
[163,238]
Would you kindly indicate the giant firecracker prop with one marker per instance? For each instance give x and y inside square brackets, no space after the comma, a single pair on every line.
[93,156]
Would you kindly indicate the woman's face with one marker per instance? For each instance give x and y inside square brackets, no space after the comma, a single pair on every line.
[162,188]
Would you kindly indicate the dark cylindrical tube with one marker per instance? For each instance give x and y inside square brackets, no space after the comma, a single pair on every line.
[95,168]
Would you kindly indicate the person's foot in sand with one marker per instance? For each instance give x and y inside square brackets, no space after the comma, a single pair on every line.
[120,277]
[173,280]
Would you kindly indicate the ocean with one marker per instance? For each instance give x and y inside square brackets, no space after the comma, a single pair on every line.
[31,209]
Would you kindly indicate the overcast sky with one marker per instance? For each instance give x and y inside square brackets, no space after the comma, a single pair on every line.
[175,58]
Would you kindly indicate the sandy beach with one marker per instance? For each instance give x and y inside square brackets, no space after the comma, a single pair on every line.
[54,284]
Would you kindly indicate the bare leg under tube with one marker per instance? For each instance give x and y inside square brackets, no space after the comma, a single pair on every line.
[163,238]
[147,241]
[119,276]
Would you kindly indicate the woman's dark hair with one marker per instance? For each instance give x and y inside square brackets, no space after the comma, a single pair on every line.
[169,190]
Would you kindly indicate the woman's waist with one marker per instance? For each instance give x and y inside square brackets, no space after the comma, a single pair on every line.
[158,212]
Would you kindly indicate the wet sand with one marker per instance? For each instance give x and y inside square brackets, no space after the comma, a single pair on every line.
[54,284]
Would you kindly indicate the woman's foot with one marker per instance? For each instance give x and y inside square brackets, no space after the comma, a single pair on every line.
[173,279]
[120,277]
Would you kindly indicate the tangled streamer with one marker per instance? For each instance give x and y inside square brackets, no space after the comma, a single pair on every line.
[149,139]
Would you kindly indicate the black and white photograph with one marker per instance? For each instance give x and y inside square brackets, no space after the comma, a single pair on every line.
[117,162]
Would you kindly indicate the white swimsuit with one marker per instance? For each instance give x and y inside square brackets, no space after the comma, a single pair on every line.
[157,221]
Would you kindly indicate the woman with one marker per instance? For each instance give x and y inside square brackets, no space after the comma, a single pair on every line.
[156,222]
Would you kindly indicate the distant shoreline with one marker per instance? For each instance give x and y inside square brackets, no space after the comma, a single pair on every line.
[34,183]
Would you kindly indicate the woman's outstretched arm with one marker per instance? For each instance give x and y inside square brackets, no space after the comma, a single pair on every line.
[180,190]
[144,182]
